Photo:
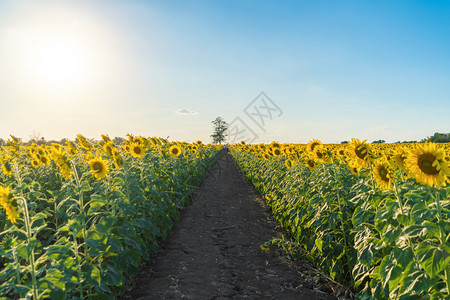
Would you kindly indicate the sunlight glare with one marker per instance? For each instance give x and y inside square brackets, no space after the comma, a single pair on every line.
[58,62]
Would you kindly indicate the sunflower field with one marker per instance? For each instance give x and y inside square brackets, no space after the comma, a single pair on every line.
[374,217]
[76,220]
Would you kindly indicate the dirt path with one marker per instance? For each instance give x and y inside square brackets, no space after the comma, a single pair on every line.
[213,252]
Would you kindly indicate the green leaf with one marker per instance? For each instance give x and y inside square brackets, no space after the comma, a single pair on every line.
[95,275]
[319,244]
[433,258]
[113,276]
[85,187]
[55,277]
[414,280]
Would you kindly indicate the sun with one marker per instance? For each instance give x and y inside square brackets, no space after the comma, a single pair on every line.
[58,62]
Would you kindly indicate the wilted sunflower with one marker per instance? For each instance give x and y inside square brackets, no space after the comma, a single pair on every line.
[6,201]
[137,150]
[175,150]
[99,167]
[427,165]
[382,174]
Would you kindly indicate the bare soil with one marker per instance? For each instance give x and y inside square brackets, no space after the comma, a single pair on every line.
[214,252]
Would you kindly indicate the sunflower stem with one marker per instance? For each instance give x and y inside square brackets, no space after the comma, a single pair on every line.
[26,217]
[30,249]
[80,274]
[83,219]
[399,198]
[342,226]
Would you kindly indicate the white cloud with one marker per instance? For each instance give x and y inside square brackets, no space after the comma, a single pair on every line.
[185,111]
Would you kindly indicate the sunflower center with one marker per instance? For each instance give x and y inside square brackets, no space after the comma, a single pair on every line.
[426,164]
[137,150]
[361,152]
[383,174]
[97,167]
[319,154]
[310,163]
[313,145]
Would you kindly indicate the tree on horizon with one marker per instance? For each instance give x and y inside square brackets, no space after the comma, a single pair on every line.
[220,127]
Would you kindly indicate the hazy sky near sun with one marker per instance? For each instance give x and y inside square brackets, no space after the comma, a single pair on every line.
[336,69]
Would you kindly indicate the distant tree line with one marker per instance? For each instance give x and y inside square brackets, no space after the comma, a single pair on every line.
[438,138]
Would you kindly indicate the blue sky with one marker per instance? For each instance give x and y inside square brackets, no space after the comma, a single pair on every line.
[336,69]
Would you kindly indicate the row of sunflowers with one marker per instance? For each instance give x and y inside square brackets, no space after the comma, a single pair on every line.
[375,217]
[77,219]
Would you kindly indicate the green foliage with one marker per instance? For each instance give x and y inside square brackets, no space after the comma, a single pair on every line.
[88,237]
[385,244]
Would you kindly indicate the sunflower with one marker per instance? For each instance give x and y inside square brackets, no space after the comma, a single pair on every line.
[118,162]
[382,174]
[65,169]
[35,163]
[398,159]
[313,144]
[175,150]
[310,163]
[275,145]
[7,169]
[105,138]
[288,163]
[320,154]
[99,167]
[276,151]
[108,148]
[137,150]
[72,148]
[426,163]
[83,142]
[358,154]
[44,160]
[6,201]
